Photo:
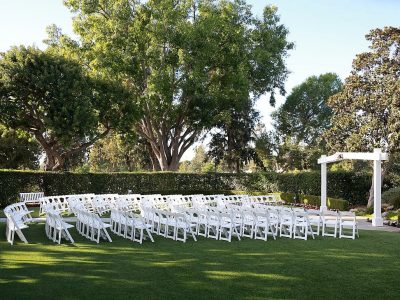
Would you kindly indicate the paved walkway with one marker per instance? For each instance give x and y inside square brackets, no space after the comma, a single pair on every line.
[363,224]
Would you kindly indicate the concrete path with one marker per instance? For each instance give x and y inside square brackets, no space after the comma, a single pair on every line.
[363,224]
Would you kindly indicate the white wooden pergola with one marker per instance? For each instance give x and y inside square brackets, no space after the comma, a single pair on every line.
[377,156]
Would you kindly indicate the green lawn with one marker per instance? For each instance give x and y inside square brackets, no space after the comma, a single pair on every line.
[325,268]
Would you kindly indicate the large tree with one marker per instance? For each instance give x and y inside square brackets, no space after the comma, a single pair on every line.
[366,114]
[53,99]
[185,61]
[233,140]
[305,114]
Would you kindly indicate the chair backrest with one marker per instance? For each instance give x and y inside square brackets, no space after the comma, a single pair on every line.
[347,215]
[31,197]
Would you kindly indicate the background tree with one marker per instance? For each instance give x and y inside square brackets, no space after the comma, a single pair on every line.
[233,142]
[183,60]
[119,153]
[53,99]
[305,115]
[199,163]
[18,150]
[300,122]
[366,114]
[265,147]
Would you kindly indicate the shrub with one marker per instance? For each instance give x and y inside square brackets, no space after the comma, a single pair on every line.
[344,185]
[392,197]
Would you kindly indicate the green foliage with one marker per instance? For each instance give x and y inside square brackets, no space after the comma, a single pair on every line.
[301,120]
[187,62]
[18,150]
[332,203]
[52,98]
[199,163]
[119,153]
[392,197]
[232,142]
[305,114]
[366,114]
[345,185]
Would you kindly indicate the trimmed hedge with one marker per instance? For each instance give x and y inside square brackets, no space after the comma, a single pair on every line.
[345,185]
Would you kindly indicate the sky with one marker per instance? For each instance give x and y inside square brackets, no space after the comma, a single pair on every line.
[327,33]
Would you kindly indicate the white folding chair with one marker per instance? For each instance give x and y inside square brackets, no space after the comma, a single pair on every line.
[57,228]
[136,228]
[264,226]
[315,218]
[330,220]
[227,227]
[286,223]
[348,220]
[183,227]
[15,224]
[301,226]
[213,225]
[248,224]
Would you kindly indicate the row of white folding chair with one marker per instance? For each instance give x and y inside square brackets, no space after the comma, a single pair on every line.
[292,222]
[91,226]
[333,221]
[130,225]
[220,225]
[129,202]
[59,202]
[103,203]
[84,200]
[55,227]
[168,224]
[201,202]
[295,224]
[266,199]
[17,216]
[255,223]
[31,198]
[157,201]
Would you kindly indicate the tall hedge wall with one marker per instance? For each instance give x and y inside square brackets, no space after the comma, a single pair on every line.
[347,185]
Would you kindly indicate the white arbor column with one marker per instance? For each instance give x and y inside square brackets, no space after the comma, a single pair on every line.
[323,185]
[377,219]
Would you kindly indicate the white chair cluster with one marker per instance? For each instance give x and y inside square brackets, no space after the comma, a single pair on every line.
[344,222]
[17,216]
[130,225]
[56,228]
[179,217]
[91,226]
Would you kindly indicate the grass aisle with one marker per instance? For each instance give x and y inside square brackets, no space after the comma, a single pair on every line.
[325,268]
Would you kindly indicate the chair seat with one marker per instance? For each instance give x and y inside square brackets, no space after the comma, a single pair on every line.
[348,223]
[330,222]
[286,222]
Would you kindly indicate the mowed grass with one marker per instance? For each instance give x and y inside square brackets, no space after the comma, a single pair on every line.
[325,268]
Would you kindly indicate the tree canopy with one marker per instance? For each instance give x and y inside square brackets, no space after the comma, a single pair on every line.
[18,150]
[52,98]
[366,114]
[186,61]
[305,114]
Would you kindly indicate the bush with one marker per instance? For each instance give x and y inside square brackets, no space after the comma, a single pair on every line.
[344,185]
[392,197]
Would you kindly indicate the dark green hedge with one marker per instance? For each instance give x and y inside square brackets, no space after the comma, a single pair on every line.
[346,185]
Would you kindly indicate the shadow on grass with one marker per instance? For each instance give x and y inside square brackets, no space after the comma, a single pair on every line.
[282,269]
